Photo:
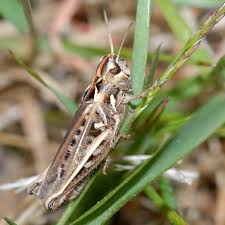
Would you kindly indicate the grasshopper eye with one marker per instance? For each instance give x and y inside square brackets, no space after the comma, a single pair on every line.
[115,70]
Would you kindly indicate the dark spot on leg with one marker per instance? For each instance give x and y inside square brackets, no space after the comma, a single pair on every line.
[78,132]
[73,142]
[67,155]
[83,123]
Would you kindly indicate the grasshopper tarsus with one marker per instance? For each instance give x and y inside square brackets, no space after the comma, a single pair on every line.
[106,164]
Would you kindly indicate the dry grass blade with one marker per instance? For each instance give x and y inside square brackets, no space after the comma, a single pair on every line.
[33,31]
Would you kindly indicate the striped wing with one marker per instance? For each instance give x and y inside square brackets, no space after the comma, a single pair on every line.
[69,154]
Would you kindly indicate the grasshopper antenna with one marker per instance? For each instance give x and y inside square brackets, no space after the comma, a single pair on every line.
[108,31]
[123,40]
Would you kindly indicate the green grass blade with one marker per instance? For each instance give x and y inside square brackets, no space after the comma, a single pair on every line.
[166,190]
[186,52]
[73,205]
[90,52]
[9,221]
[12,10]
[172,216]
[85,51]
[155,59]
[141,41]
[196,130]
[193,42]
[69,105]
[180,28]
[143,133]
[67,102]
[174,20]
[95,190]
[218,72]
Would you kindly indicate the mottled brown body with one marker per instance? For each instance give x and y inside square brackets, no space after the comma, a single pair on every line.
[91,137]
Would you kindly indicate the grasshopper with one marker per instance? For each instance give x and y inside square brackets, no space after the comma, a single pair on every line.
[92,135]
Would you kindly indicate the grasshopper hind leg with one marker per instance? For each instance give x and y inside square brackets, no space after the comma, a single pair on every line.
[71,193]
[34,187]
[77,190]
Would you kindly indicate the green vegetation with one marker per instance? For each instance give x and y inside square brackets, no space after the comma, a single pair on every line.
[187,130]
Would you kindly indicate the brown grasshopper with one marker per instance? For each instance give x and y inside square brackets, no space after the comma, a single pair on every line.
[92,134]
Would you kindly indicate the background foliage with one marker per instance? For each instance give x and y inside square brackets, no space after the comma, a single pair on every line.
[51,69]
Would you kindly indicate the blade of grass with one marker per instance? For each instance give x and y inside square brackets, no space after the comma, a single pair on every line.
[9,221]
[175,21]
[218,72]
[140,121]
[96,189]
[140,52]
[150,77]
[172,216]
[69,105]
[166,190]
[186,52]
[64,219]
[194,132]
[144,131]
[85,51]
[180,28]
[33,32]
[13,11]
[140,48]
[193,42]
[90,52]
